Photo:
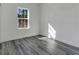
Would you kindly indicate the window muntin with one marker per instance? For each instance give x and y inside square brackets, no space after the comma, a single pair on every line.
[22,18]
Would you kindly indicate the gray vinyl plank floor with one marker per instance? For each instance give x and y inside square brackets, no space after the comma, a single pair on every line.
[30,46]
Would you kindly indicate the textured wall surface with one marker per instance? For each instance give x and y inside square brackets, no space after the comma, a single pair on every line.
[9,21]
[64,18]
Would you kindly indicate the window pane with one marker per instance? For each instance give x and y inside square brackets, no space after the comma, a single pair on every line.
[22,14]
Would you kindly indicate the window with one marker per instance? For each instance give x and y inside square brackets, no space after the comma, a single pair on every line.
[22,18]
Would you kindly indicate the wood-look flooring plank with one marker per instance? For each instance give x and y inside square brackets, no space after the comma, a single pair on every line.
[29,46]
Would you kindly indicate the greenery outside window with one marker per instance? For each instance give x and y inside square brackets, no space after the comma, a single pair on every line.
[22,18]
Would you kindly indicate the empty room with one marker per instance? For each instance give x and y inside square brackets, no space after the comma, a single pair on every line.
[39,28]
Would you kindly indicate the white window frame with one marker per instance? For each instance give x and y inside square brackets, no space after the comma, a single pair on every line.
[23,18]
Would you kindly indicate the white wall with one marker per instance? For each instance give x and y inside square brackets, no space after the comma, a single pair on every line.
[65,20]
[0,21]
[9,29]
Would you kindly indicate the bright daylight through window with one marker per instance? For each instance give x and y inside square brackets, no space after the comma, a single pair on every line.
[22,18]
